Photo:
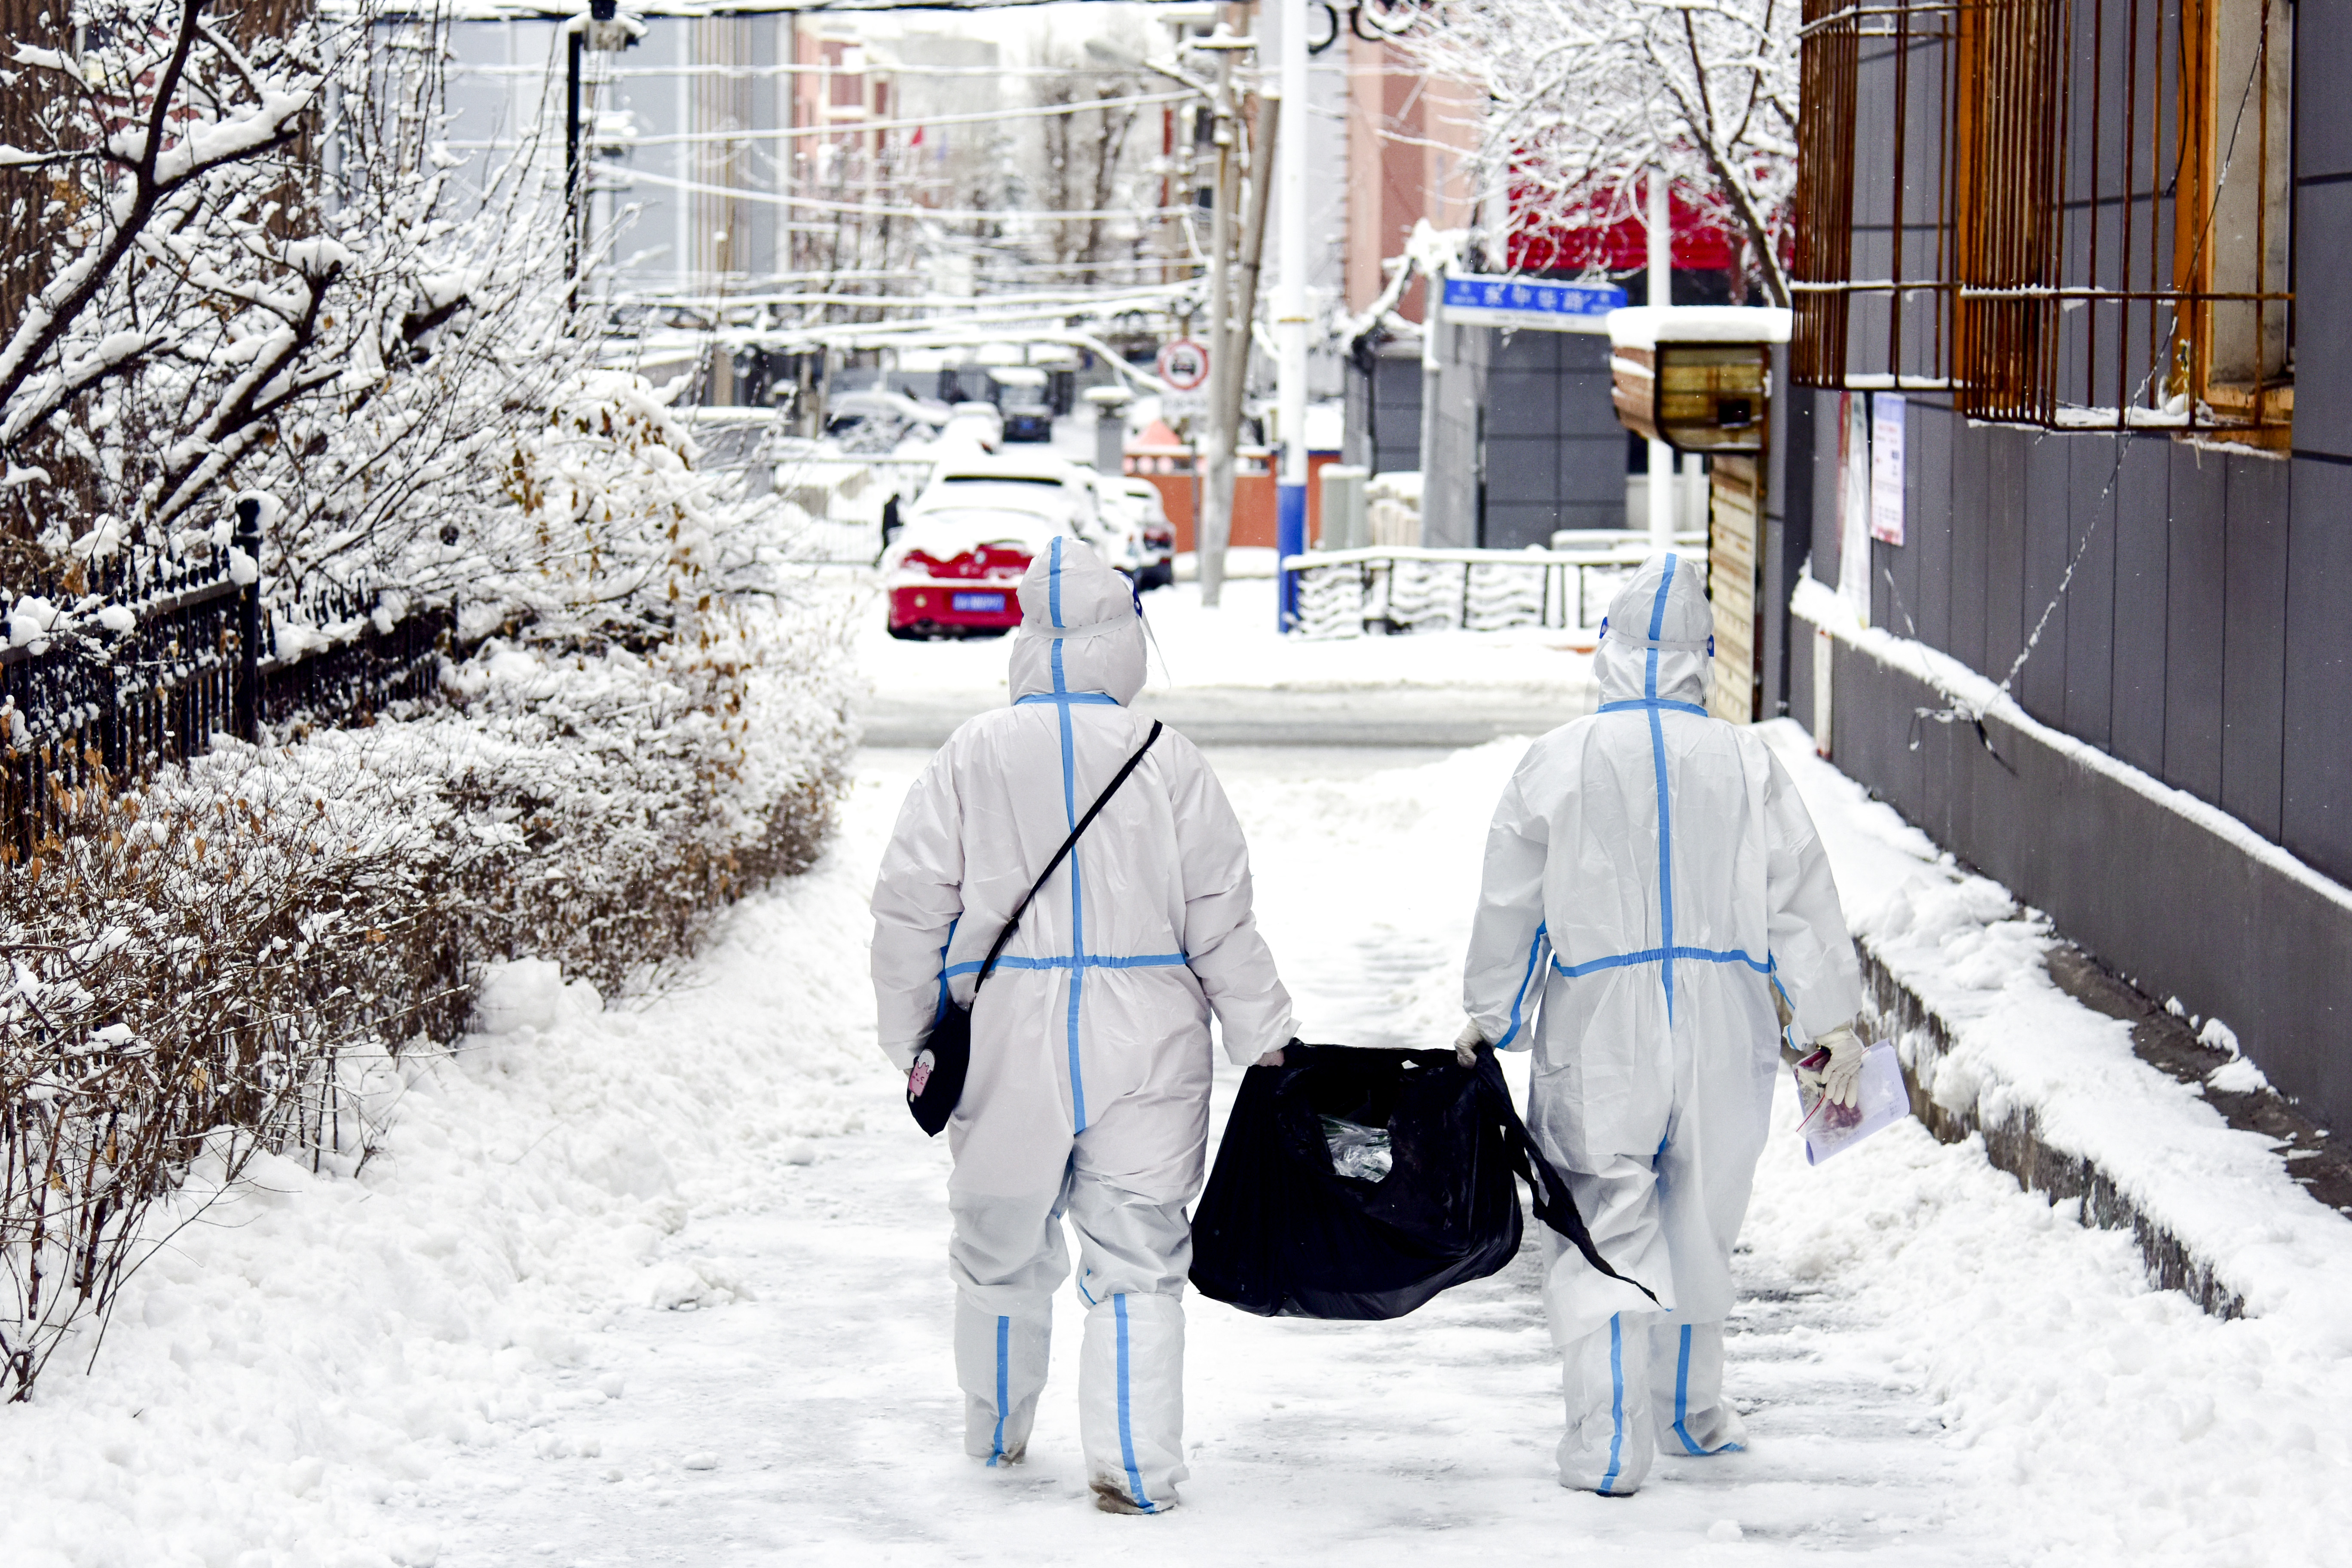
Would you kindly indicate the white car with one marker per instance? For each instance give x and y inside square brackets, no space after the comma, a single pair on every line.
[1159,534]
[977,424]
[1054,488]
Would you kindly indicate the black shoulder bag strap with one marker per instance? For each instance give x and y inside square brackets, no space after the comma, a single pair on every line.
[1554,1205]
[1060,855]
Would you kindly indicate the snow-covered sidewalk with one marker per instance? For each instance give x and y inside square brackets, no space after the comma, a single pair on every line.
[666,1285]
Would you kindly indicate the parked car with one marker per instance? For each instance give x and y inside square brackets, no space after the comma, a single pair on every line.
[1028,421]
[977,424]
[1025,482]
[955,571]
[1159,569]
[875,421]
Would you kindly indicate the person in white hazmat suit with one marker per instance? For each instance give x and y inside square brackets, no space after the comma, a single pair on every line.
[1088,1093]
[1655,904]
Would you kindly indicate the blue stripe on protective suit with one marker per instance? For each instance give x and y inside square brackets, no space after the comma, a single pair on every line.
[1665,813]
[1004,1382]
[1682,1395]
[1616,1404]
[1518,1003]
[1078,961]
[1127,1412]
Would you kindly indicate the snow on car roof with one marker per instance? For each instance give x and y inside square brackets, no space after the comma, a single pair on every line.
[947,533]
[1020,468]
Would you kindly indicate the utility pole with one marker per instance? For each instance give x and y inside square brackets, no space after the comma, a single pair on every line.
[1290,316]
[1228,348]
[1660,224]
[1249,264]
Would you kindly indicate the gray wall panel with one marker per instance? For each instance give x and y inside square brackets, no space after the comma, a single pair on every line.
[2109,863]
[1520,471]
[2004,556]
[1592,472]
[2090,597]
[2041,686]
[2315,816]
[1828,419]
[2323,321]
[2193,619]
[2323,59]
[1929,535]
[1968,577]
[2143,589]
[1788,524]
[2253,656]
[1521,403]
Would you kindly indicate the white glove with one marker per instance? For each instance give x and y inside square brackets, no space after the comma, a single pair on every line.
[1466,1043]
[1839,1079]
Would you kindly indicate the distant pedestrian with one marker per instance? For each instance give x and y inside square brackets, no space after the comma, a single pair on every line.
[1088,1093]
[890,520]
[1655,907]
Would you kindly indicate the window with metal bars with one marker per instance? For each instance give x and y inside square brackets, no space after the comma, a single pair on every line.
[2070,214]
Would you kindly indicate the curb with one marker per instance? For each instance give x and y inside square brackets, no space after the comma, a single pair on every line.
[2013,1144]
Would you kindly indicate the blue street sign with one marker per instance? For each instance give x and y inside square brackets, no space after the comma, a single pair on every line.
[1531,302]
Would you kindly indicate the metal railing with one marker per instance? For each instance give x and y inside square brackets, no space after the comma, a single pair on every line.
[190,653]
[1395,589]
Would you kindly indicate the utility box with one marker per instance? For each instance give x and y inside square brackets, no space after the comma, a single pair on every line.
[1345,524]
[1697,377]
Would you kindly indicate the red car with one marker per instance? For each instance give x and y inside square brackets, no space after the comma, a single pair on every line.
[957,574]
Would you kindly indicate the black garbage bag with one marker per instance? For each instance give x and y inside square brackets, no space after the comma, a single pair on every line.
[1281,1232]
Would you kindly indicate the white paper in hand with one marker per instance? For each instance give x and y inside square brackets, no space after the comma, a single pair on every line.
[1882,1102]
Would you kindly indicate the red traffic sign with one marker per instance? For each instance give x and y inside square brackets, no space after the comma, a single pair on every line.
[1184,364]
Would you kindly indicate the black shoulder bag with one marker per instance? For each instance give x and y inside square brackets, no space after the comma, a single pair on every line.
[936,1084]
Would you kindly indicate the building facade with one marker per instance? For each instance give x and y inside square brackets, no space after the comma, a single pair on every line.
[2066,431]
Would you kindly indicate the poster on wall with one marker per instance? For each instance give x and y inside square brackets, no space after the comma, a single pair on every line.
[1886,467]
[1853,504]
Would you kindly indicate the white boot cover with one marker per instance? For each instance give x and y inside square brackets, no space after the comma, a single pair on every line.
[1131,1401]
[1686,1391]
[1611,1432]
[1006,1256]
[1001,1366]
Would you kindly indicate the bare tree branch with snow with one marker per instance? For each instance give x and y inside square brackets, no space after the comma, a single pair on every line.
[1585,97]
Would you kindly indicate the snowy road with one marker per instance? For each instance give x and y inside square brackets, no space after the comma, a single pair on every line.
[823,1405]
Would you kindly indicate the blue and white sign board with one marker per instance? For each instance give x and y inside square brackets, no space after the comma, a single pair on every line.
[1527,304]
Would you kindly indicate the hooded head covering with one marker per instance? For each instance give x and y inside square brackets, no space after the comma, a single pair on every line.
[1080,630]
[1660,636]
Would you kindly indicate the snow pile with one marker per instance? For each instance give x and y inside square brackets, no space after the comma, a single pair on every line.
[2096,1419]
[314,1352]
[2020,1047]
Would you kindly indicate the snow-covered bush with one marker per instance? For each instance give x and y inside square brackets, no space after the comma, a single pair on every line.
[198,964]
[625,798]
[188,962]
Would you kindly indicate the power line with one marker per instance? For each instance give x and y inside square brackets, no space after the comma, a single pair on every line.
[864,127]
[872,68]
[875,209]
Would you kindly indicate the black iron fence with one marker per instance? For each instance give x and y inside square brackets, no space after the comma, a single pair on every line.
[177,653]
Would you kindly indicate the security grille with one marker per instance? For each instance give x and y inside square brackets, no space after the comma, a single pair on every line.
[2073,213]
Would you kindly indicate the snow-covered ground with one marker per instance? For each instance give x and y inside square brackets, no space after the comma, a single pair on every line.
[666,1284]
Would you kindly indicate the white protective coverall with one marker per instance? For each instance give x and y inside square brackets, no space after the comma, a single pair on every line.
[1651,878]
[1088,1091]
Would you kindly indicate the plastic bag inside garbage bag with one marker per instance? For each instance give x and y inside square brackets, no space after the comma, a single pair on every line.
[1358,1150]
